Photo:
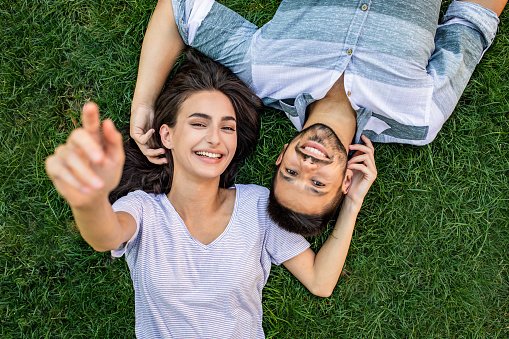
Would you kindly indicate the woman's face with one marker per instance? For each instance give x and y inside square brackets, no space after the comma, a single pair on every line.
[204,139]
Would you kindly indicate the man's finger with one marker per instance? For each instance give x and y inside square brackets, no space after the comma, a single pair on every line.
[367,141]
[365,159]
[362,148]
[90,119]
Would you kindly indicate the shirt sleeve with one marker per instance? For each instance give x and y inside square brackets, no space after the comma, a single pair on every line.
[467,32]
[282,245]
[218,32]
[132,204]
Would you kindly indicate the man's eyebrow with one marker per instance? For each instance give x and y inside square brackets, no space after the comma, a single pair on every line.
[285,177]
[315,191]
[309,188]
[208,117]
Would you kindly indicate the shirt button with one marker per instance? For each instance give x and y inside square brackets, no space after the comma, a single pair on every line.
[349,51]
[364,7]
[349,93]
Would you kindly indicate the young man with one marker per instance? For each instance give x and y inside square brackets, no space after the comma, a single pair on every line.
[338,69]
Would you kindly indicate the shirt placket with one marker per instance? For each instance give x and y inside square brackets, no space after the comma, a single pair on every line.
[351,41]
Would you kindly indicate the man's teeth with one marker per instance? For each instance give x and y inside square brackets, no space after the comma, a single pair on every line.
[314,150]
[209,155]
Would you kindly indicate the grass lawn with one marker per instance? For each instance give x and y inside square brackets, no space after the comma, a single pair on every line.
[429,256]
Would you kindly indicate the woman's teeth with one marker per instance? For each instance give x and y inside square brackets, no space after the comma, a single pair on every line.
[315,151]
[209,155]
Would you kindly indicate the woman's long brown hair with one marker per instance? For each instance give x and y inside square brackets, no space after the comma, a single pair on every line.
[197,73]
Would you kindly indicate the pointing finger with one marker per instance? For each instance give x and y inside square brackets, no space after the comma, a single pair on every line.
[90,119]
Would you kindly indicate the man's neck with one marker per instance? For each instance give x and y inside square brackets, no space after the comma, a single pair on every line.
[335,111]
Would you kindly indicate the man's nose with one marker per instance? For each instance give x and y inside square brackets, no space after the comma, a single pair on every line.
[308,163]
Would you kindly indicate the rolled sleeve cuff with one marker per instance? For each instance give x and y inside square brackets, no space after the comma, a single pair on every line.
[189,15]
[484,20]
[179,11]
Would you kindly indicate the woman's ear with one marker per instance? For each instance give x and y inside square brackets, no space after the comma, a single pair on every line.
[165,133]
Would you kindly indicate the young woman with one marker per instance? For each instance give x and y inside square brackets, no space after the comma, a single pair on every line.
[199,247]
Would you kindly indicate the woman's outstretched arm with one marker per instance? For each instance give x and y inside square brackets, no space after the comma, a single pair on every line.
[161,47]
[320,272]
[84,170]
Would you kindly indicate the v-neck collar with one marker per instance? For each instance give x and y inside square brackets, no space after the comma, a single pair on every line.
[219,237]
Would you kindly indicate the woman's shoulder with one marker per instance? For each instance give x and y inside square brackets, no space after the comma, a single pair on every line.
[252,196]
[141,197]
[252,190]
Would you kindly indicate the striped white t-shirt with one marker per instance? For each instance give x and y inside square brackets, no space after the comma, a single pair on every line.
[185,289]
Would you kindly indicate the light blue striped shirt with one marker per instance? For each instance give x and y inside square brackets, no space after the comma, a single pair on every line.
[403,72]
[185,289]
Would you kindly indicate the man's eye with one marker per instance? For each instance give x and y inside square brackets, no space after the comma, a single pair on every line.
[291,172]
[197,124]
[318,183]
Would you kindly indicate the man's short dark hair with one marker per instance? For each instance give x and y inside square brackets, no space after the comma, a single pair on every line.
[304,224]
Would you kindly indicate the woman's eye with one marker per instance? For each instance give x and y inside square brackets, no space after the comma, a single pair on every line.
[318,183]
[228,128]
[291,172]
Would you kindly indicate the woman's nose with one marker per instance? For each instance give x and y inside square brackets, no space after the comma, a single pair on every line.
[212,137]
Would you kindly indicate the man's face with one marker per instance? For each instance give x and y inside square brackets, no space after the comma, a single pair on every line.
[311,170]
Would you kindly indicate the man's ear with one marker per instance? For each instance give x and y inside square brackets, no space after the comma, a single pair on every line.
[280,157]
[165,133]
[347,182]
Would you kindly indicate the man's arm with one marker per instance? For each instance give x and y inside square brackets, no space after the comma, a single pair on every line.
[161,47]
[496,6]
[320,272]
[467,31]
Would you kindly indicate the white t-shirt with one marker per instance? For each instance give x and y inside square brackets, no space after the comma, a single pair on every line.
[185,289]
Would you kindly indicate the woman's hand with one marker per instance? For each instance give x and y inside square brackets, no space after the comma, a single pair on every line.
[141,117]
[364,171]
[89,165]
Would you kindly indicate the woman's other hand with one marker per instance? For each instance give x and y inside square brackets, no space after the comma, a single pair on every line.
[141,117]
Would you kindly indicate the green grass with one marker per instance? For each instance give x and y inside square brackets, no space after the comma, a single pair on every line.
[429,256]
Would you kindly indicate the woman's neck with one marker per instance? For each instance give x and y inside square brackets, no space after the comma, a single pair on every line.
[188,196]
[204,208]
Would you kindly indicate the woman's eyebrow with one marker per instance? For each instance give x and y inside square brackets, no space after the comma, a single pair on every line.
[228,118]
[200,115]
[208,117]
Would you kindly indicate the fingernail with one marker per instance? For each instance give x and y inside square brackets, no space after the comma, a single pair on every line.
[96,183]
[96,156]
[85,189]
